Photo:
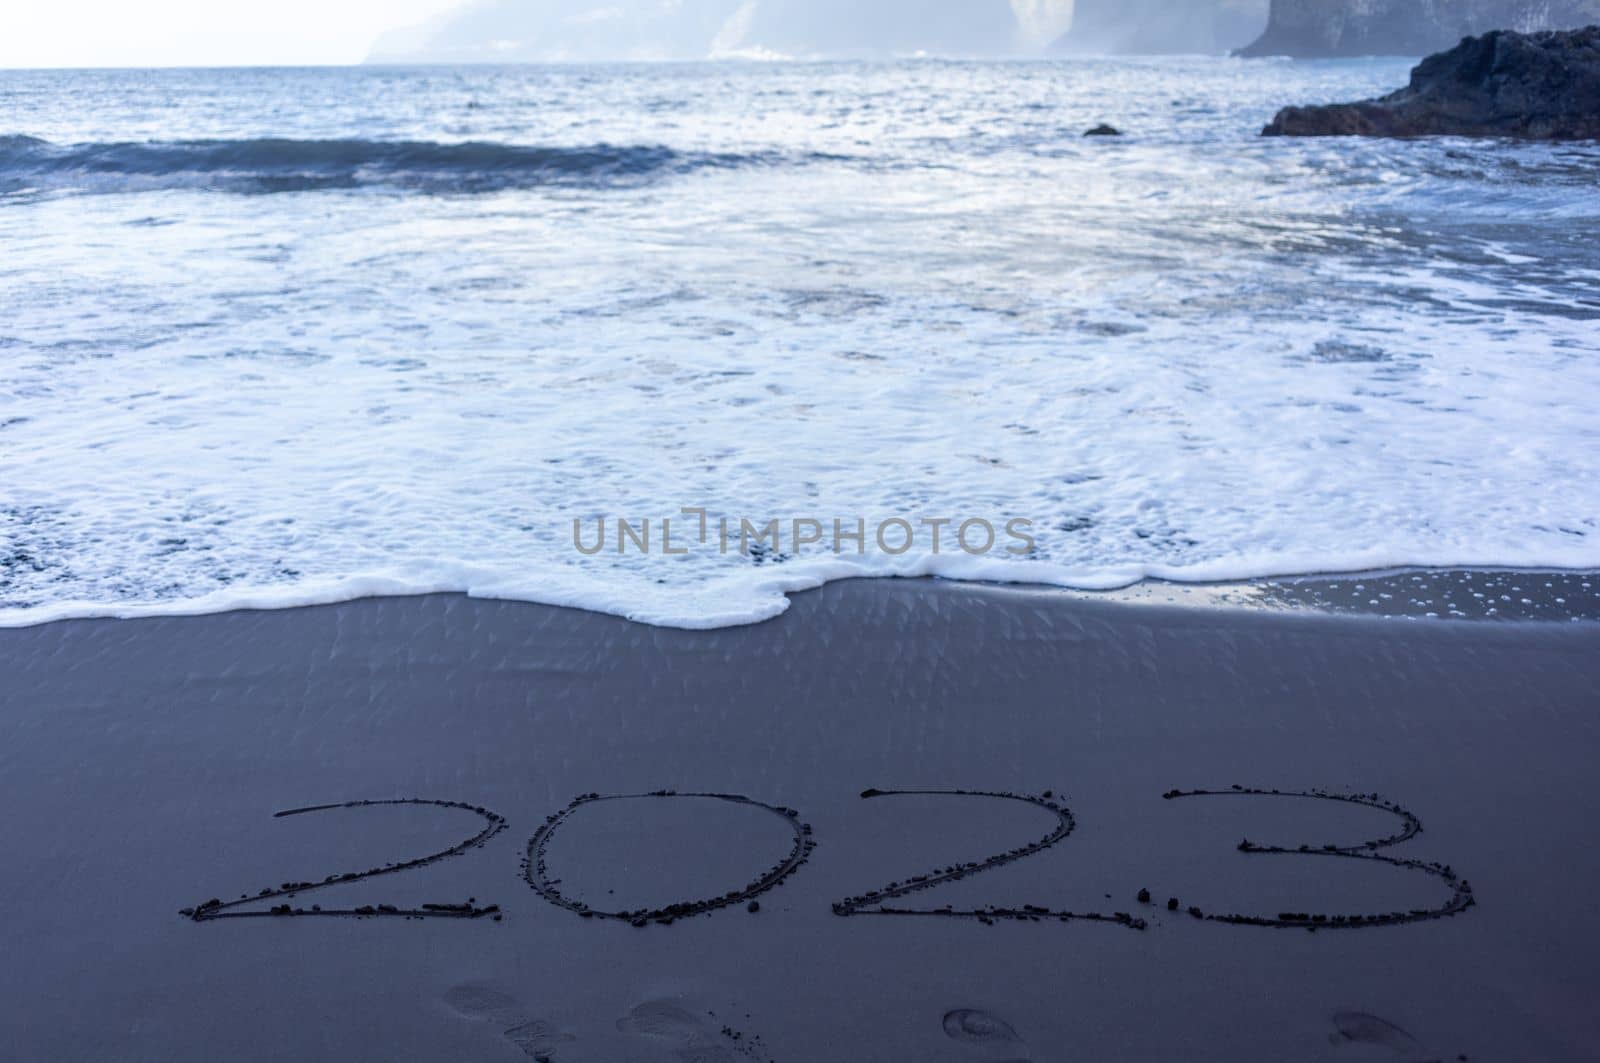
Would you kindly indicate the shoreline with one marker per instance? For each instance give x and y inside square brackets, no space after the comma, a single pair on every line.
[1445,593]
[1450,593]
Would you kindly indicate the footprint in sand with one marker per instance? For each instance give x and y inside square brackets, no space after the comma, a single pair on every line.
[1360,1028]
[980,1028]
[692,1040]
[480,1002]
[537,1038]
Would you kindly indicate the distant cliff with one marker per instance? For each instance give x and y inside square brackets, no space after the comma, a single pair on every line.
[1162,27]
[1331,28]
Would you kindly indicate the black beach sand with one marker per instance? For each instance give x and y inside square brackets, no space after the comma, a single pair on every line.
[142,764]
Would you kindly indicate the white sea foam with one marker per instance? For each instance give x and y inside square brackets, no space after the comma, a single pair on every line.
[834,292]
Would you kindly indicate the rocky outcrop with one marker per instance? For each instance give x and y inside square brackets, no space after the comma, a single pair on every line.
[1162,27]
[1332,28]
[1543,86]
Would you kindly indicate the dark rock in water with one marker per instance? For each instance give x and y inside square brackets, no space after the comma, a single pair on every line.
[1330,28]
[1540,86]
[1103,130]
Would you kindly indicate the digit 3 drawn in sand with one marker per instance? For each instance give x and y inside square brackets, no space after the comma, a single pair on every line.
[1460,889]
[494,823]
[536,871]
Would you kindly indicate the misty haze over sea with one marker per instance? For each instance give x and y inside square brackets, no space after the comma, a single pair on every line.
[699,29]
[555,30]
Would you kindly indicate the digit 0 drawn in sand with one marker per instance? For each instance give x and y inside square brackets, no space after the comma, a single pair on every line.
[536,870]
[1460,889]
[494,823]
[874,902]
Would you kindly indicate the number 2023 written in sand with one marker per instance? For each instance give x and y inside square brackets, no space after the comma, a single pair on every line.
[284,900]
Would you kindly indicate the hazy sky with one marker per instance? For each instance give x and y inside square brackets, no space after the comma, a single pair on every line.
[53,33]
[200,32]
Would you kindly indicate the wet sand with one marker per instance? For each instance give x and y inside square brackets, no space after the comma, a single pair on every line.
[557,835]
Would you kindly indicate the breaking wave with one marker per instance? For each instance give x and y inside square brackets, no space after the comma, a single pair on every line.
[266,165]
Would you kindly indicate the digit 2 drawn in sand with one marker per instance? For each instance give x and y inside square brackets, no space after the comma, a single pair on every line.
[494,823]
[874,902]
[1460,889]
[537,873]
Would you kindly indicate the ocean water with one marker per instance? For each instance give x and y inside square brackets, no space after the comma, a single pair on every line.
[282,336]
